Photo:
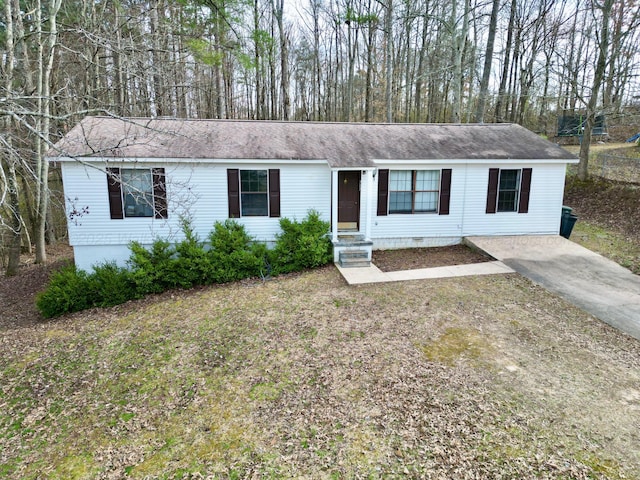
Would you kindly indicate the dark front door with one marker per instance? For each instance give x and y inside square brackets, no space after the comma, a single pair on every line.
[348,199]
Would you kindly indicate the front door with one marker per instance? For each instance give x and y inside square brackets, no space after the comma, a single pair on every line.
[348,200]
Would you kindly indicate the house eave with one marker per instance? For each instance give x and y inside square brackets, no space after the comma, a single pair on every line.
[223,161]
[465,161]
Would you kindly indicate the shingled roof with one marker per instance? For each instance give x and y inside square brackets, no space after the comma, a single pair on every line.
[340,144]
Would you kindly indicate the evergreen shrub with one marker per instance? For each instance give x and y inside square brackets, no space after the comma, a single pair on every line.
[153,270]
[232,254]
[192,264]
[111,285]
[301,245]
[69,290]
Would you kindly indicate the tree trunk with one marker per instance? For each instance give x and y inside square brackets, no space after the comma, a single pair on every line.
[388,33]
[15,222]
[315,5]
[598,78]
[505,66]
[488,60]
[284,60]
[46,52]
[421,62]
[368,100]
[459,39]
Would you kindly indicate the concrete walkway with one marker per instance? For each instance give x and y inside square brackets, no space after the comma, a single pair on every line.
[598,285]
[372,274]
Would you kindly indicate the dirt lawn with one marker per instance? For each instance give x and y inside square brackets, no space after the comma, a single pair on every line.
[306,377]
[303,376]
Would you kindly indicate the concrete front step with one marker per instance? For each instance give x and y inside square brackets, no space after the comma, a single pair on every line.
[354,258]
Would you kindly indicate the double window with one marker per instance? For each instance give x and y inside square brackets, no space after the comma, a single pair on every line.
[414,191]
[137,192]
[253,193]
[508,190]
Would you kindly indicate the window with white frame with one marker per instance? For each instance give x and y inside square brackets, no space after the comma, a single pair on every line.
[508,190]
[253,193]
[137,192]
[254,199]
[414,191]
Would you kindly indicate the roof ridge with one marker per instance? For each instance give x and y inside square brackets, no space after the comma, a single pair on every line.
[299,122]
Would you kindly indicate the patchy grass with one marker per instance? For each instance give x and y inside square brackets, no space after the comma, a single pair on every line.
[458,344]
[607,218]
[303,376]
[616,246]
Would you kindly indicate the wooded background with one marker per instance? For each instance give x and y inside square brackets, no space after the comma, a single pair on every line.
[522,61]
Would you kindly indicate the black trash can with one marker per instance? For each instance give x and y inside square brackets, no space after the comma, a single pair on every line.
[566,224]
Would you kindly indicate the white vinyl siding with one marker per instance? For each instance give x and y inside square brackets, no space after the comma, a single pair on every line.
[545,202]
[194,191]
[199,191]
[468,217]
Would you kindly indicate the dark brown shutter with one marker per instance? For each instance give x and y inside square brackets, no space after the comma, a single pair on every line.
[492,190]
[383,191]
[525,188]
[114,188]
[233,188]
[159,193]
[445,191]
[274,192]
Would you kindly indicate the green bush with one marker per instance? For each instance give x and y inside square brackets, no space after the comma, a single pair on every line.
[192,265]
[234,254]
[111,285]
[69,290]
[301,245]
[153,270]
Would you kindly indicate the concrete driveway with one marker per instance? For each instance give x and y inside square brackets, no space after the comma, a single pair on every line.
[598,285]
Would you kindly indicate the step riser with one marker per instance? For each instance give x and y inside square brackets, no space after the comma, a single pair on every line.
[357,258]
[355,264]
[354,255]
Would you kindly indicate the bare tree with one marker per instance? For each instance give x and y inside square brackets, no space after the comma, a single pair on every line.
[488,62]
[9,160]
[603,39]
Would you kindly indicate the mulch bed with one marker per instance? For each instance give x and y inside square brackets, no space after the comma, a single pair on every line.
[18,293]
[414,258]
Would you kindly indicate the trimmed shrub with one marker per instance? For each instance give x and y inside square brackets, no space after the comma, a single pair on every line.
[153,271]
[69,290]
[192,264]
[301,245]
[111,285]
[234,254]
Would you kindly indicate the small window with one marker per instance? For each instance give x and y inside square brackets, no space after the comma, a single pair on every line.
[508,190]
[254,199]
[137,191]
[413,191]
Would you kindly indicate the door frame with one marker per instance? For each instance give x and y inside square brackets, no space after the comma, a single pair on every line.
[356,179]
